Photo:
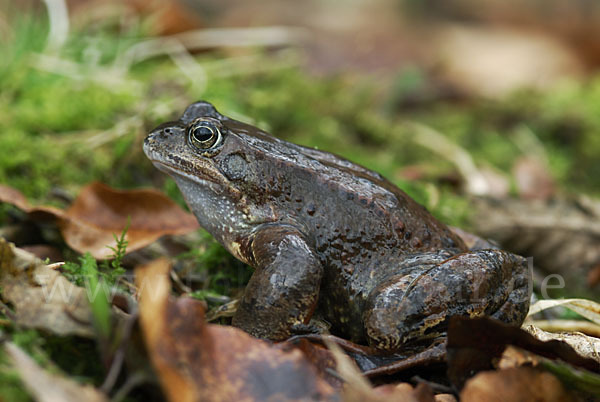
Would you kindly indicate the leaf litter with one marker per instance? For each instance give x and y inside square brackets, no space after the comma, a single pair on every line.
[200,361]
[100,212]
[41,297]
[49,387]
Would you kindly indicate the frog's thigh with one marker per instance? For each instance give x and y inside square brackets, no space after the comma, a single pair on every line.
[418,305]
[284,289]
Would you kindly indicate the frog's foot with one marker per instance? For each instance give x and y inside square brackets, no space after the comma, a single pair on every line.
[344,344]
[434,354]
[306,329]
[373,362]
[418,305]
[284,288]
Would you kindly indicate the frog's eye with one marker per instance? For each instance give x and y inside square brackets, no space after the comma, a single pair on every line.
[204,134]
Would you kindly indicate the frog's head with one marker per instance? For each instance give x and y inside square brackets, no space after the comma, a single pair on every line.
[221,167]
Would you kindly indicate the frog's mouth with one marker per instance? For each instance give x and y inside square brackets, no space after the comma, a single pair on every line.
[182,169]
[198,177]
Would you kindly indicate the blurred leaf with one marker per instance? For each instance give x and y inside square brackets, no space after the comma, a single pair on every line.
[100,212]
[199,361]
[50,387]
[515,384]
[586,308]
[42,298]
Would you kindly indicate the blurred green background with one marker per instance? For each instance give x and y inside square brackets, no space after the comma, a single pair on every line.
[75,107]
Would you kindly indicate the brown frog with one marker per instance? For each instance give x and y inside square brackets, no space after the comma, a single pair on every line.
[329,237]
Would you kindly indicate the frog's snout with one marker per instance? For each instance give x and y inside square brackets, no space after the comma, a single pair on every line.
[161,137]
[150,142]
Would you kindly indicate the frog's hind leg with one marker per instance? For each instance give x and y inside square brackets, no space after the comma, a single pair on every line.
[417,305]
[515,308]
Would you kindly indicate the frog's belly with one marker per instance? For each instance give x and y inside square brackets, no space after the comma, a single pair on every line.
[342,298]
[345,317]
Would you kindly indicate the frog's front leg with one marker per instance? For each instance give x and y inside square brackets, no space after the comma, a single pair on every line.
[284,289]
[418,305]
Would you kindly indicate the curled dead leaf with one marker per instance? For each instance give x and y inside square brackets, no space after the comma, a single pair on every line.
[100,212]
[559,325]
[12,196]
[586,308]
[199,361]
[586,346]
[42,298]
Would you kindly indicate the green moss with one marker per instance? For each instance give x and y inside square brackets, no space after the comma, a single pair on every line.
[220,272]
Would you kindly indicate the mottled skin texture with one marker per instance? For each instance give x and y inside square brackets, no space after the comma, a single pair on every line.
[328,236]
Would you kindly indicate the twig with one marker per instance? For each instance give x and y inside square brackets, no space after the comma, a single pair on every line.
[132,381]
[119,357]
[58,18]
[179,283]
[212,38]
[56,265]
[441,388]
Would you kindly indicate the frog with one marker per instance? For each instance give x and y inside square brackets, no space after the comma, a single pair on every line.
[330,239]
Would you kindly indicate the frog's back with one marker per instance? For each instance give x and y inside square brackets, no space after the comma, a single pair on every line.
[355,204]
[363,228]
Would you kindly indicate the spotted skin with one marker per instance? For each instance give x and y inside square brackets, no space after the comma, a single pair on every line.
[330,238]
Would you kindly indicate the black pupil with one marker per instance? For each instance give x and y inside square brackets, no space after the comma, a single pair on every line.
[203,133]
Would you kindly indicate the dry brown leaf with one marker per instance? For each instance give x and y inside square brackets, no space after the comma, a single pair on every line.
[14,197]
[559,325]
[41,297]
[516,357]
[100,212]
[586,308]
[515,384]
[199,361]
[445,398]
[586,346]
[46,387]
[320,358]
[402,392]
[11,196]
